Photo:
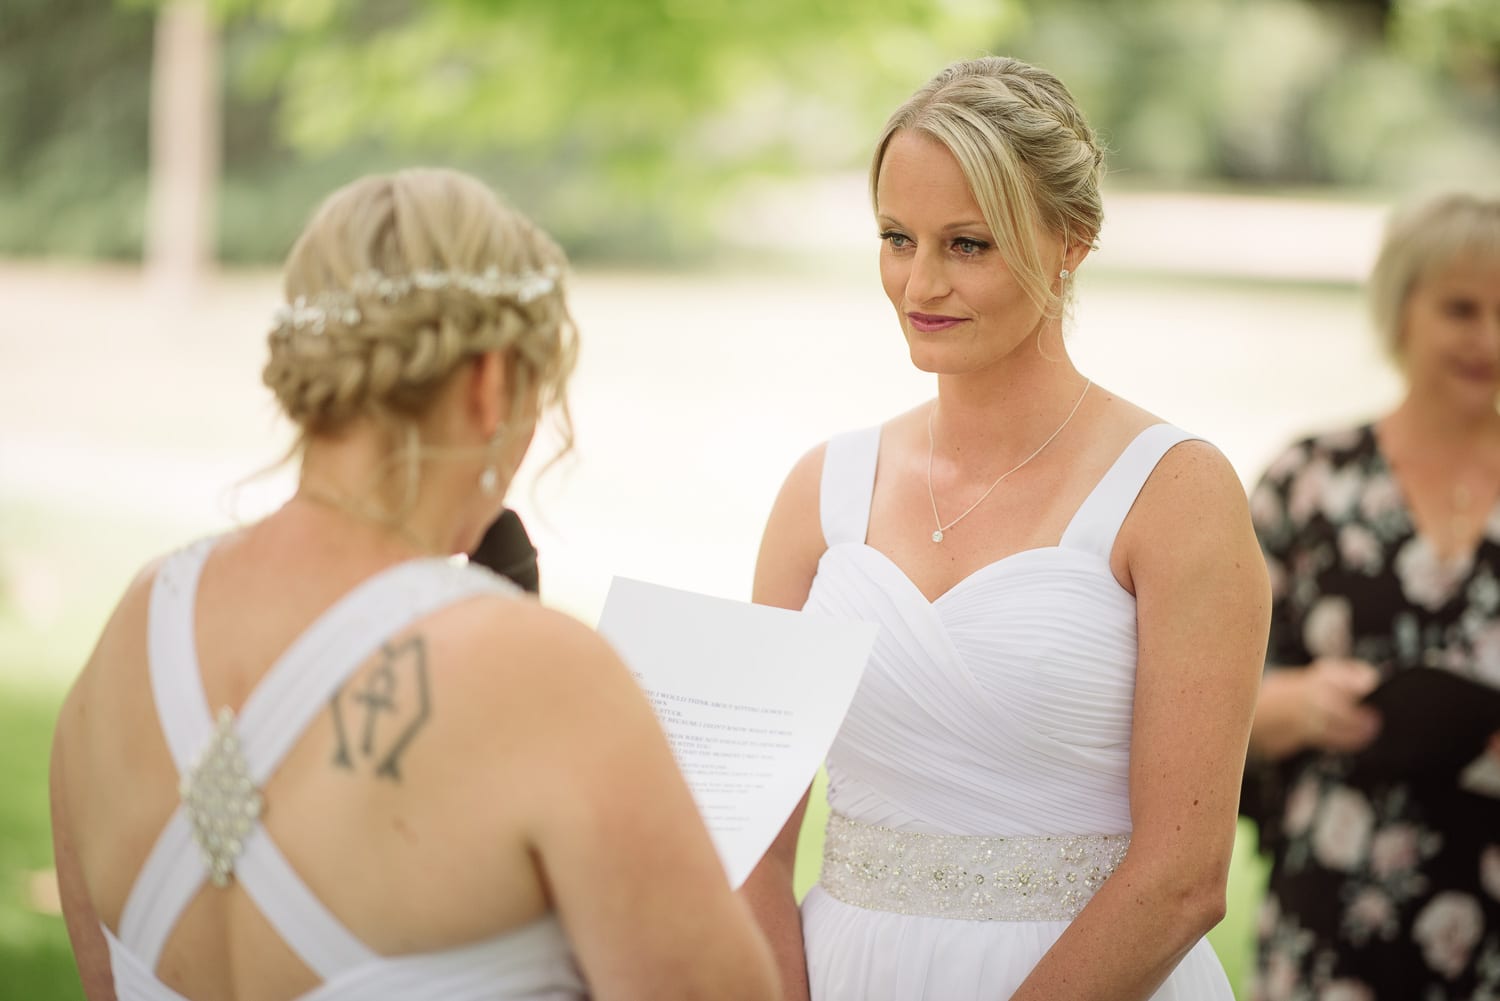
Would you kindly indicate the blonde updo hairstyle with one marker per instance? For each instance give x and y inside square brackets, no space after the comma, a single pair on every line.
[389,357]
[1423,238]
[1030,158]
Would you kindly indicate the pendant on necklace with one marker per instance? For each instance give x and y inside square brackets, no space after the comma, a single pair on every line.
[937,536]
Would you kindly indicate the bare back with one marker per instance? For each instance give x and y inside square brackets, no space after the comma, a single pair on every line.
[375,806]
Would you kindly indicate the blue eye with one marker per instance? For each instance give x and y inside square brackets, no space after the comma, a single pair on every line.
[898,241]
[968,247]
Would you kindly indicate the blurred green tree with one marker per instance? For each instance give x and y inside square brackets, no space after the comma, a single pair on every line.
[618,122]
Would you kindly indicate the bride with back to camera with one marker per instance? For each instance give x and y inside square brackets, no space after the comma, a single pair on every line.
[315,757]
[1034,793]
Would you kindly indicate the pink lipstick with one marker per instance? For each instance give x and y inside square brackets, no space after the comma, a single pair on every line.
[931,323]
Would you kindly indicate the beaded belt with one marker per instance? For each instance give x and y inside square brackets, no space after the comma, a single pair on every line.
[975,877]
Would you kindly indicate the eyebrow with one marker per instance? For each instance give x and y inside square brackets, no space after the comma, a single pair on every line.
[884,220]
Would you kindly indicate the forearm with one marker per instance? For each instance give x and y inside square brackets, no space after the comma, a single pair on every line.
[1280,726]
[768,892]
[1127,940]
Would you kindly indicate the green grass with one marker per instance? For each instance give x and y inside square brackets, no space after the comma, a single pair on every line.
[61,572]
[35,960]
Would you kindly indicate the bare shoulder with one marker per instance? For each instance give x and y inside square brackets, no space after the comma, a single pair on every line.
[1193,480]
[121,642]
[1190,526]
[500,641]
[793,539]
[802,485]
[1192,472]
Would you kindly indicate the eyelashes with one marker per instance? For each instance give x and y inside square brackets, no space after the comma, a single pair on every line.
[964,246]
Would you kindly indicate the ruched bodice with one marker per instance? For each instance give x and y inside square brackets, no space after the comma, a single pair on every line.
[975,708]
[1000,713]
[223,765]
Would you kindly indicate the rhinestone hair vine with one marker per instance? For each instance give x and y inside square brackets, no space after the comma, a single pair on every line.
[314,313]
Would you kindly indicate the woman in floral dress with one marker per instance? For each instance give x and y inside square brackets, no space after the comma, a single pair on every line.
[1383,543]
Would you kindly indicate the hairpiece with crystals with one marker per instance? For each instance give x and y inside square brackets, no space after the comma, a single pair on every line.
[314,313]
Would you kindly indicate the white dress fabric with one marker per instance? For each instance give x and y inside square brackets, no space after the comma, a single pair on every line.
[1000,711]
[533,963]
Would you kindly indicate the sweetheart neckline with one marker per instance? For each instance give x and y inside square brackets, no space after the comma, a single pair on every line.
[993,564]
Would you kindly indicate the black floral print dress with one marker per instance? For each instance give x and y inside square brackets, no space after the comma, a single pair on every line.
[1381,889]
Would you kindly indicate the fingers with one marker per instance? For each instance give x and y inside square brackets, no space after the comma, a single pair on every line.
[1352,729]
[1356,677]
[1337,721]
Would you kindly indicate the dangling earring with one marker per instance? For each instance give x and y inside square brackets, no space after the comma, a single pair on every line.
[489,479]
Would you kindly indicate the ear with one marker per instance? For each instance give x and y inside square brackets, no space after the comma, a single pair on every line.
[487,392]
[1073,255]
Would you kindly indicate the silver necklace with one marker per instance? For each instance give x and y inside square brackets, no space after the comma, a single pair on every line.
[937,536]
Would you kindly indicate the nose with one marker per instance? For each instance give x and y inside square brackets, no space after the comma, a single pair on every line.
[927,282]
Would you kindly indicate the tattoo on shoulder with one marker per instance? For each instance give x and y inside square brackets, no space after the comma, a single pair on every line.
[377,714]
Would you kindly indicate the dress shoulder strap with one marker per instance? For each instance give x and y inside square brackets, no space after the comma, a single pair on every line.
[172,655]
[1099,518]
[847,485]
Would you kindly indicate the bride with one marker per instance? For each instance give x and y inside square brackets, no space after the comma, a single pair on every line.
[315,758]
[1034,793]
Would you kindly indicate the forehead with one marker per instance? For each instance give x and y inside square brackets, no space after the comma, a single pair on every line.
[1468,270]
[921,178]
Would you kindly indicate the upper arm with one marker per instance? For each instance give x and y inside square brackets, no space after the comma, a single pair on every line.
[628,862]
[90,950]
[793,540]
[1279,535]
[1203,606]
[784,570]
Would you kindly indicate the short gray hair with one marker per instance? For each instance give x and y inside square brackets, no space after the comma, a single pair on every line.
[1424,237]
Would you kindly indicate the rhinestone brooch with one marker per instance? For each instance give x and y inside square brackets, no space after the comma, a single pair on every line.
[222,803]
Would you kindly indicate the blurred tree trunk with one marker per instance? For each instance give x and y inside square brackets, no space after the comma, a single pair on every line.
[185,139]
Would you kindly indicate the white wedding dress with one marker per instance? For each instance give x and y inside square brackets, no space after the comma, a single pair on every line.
[533,963]
[979,784]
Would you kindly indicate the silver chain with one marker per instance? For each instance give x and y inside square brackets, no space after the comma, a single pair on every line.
[937,536]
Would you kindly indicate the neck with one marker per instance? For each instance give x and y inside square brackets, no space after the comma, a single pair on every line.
[1009,408]
[1443,431]
[355,478]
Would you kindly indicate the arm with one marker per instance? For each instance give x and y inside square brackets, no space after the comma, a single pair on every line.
[768,893]
[1305,702]
[1202,610]
[620,845]
[90,950]
[788,560]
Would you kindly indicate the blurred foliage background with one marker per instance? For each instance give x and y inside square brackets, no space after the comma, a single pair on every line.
[621,125]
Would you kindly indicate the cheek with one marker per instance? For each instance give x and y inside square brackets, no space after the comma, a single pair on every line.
[893,279]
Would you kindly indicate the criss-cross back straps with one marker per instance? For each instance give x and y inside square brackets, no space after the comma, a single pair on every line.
[847,486]
[1098,520]
[289,695]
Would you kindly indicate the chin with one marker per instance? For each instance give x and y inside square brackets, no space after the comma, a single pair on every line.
[1473,399]
[935,358]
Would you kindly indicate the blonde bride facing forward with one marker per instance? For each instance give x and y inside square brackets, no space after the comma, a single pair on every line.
[1034,793]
